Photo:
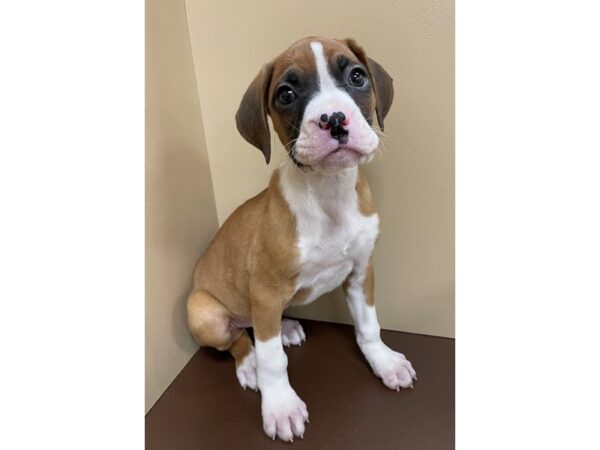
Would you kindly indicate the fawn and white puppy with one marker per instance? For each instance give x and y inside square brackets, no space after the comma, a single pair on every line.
[311,230]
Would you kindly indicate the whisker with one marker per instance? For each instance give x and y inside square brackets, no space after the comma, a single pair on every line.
[293,127]
[288,158]
[378,130]
[293,141]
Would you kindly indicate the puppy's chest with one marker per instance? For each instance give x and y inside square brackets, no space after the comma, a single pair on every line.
[331,247]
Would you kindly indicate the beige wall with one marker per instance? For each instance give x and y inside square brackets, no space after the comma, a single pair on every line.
[180,209]
[412,181]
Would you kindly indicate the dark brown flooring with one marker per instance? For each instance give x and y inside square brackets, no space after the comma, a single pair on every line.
[205,408]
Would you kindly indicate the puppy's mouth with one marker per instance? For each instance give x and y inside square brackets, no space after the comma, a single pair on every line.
[341,152]
[343,148]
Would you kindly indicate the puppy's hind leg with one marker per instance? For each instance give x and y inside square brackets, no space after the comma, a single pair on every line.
[210,323]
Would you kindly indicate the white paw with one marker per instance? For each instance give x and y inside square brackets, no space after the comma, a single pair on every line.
[291,332]
[246,371]
[284,413]
[392,367]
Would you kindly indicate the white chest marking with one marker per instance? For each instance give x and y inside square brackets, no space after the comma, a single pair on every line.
[333,236]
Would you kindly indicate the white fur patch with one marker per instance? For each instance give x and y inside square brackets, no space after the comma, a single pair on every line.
[333,236]
[292,332]
[283,412]
[326,83]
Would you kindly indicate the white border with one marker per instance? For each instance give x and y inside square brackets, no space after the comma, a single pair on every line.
[72,230]
[528,248]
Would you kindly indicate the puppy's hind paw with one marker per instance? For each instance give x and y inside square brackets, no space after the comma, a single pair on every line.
[292,332]
[246,371]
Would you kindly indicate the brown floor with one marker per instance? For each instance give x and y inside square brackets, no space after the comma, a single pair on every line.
[205,408]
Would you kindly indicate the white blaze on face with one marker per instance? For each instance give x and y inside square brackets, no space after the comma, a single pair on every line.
[326,82]
[315,146]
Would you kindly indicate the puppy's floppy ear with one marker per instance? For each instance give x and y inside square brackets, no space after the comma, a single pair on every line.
[251,117]
[382,82]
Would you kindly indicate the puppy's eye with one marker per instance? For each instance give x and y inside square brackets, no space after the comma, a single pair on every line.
[286,95]
[357,77]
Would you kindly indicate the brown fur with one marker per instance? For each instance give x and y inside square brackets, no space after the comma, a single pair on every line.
[365,199]
[300,297]
[251,118]
[241,347]
[250,266]
[208,320]
[299,57]
[369,285]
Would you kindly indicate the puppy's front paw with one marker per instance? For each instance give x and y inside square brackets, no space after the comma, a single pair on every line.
[393,368]
[284,413]
[292,332]
[246,371]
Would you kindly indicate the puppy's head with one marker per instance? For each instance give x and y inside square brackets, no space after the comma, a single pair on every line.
[322,96]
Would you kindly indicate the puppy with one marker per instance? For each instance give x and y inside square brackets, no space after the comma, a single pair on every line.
[311,230]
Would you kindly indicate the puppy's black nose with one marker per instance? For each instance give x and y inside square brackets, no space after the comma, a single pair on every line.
[337,126]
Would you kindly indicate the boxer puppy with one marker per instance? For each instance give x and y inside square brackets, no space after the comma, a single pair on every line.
[311,230]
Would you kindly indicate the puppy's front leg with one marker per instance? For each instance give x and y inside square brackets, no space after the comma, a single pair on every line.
[392,367]
[283,412]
